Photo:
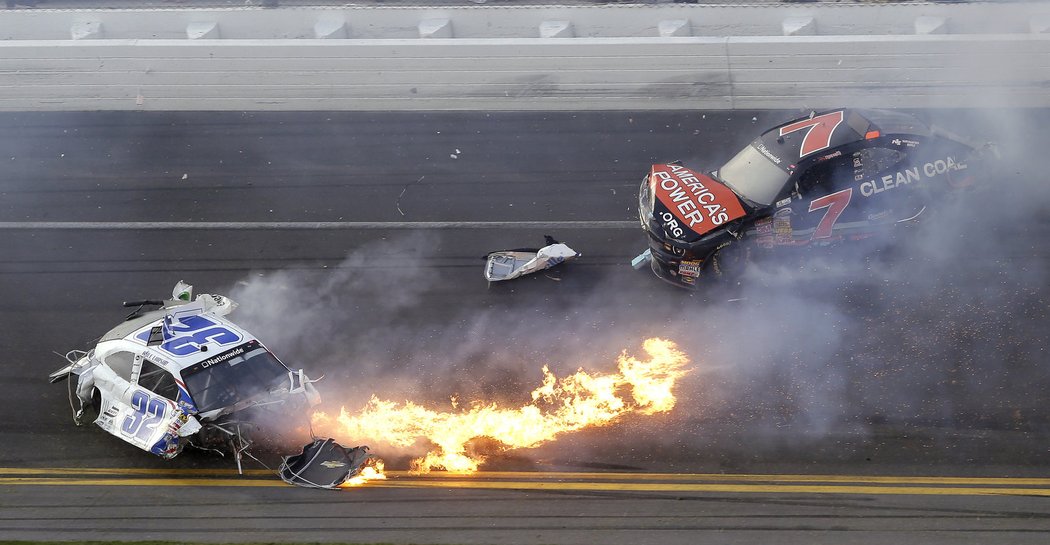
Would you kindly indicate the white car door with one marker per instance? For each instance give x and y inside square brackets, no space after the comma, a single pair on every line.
[134,413]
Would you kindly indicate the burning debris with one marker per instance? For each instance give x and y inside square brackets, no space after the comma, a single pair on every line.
[327,464]
[557,406]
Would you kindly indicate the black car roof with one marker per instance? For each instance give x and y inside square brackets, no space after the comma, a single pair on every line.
[888,121]
[827,130]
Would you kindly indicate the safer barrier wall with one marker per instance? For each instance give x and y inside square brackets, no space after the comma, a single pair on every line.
[693,72]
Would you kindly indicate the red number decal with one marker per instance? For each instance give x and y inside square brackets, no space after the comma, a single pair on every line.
[818,136]
[835,203]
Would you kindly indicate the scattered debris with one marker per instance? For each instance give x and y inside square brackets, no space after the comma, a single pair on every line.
[509,264]
[397,203]
[323,464]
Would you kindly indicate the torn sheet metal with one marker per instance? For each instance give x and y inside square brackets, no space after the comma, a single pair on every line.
[182,374]
[323,464]
[509,264]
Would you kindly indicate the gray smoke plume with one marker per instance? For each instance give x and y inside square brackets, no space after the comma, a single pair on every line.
[821,353]
[939,328]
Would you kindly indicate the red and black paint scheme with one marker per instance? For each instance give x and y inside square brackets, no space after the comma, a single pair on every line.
[829,177]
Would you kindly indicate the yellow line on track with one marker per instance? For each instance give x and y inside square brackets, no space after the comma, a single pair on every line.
[551,481]
[724,477]
[34,481]
[128,471]
[556,476]
[719,487]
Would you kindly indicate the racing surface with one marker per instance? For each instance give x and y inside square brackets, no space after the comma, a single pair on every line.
[895,390]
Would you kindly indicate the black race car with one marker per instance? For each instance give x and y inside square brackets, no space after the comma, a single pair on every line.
[832,176]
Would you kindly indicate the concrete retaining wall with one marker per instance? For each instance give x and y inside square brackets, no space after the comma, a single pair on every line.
[525,22]
[215,71]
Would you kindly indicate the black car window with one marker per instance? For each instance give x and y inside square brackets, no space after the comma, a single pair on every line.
[157,380]
[870,162]
[234,376]
[827,174]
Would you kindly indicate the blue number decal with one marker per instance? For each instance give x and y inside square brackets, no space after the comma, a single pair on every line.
[189,344]
[149,411]
[193,332]
[133,421]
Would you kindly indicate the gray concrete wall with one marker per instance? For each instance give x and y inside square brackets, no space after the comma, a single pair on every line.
[207,60]
[524,22]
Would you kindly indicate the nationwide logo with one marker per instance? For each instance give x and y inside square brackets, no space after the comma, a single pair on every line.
[222,357]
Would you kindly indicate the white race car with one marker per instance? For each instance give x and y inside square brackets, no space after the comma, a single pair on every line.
[181,374]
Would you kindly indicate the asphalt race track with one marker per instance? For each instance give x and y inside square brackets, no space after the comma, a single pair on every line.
[891,392]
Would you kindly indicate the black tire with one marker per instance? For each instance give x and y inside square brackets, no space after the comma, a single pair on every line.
[728,263]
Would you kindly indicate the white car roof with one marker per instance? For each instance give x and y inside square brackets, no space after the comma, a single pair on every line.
[185,341]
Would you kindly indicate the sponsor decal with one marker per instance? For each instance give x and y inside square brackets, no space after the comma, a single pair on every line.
[765,151]
[693,201]
[332,464]
[783,202]
[782,233]
[109,414]
[157,358]
[221,357]
[764,226]
[224,357]
[903,142]
[689,268]
[910,175]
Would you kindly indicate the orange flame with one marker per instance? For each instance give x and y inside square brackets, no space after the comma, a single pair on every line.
[371,472]
[558,406]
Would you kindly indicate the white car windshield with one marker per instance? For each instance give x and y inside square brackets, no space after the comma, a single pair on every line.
[753,176]
[234,376]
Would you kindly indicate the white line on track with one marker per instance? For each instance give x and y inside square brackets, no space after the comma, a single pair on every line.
[295,225]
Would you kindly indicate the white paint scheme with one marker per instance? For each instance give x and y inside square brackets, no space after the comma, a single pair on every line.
[116,394]
[156,422]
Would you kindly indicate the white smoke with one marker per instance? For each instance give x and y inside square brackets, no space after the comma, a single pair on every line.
[938,326]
